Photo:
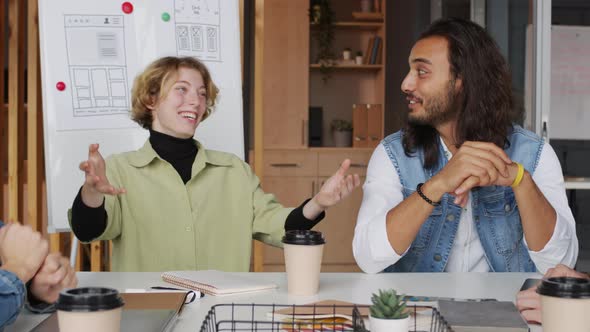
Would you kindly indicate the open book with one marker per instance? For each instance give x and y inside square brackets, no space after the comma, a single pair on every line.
[215,283]
[323,316]
[321,309]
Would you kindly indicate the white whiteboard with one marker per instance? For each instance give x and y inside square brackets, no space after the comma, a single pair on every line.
[569,116]
[96,49]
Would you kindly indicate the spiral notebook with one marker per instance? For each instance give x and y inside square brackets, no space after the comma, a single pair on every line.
[216,283]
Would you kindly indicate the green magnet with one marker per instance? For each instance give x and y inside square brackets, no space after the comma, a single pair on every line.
[165,17]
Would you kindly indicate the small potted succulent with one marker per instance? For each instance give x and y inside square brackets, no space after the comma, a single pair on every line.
[388,312]
[358,59]
[342,132]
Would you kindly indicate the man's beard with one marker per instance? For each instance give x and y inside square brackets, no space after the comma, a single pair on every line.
[441,108]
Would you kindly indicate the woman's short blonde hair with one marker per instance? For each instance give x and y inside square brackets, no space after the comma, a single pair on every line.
[156,81]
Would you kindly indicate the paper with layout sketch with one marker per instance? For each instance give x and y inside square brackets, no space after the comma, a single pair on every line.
[334,315]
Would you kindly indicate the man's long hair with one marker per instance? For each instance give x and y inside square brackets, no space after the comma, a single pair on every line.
[485,99]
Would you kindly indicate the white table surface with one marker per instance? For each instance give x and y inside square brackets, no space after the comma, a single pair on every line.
[351,287]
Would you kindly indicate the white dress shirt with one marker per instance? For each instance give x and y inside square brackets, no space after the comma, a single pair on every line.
[382,191]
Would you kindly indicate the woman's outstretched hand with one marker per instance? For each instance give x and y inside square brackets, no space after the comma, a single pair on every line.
[96,183]
[334,190]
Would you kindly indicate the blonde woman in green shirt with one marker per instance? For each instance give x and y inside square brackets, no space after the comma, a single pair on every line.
[173,204]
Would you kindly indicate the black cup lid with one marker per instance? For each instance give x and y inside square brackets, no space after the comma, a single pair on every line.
[89,299]
[566,287]
[303,237]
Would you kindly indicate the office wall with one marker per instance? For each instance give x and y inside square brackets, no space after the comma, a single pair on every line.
[575,154]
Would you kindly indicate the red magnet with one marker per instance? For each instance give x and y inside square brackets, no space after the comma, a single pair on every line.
[127,7]
[61,86]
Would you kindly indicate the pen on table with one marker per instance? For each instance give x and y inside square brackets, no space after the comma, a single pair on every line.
[178,289]
[413,298]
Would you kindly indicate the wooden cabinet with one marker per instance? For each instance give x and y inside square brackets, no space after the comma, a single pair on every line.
[286,66]
[349,84]
[290,163]
[338,227]
[294,175]
[291,82]
[290,191]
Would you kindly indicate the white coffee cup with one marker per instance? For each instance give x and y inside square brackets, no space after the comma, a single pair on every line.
[303,261]
[89,309]
[565,304]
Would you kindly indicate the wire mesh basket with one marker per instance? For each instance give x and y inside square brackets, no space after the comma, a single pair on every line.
[309,318]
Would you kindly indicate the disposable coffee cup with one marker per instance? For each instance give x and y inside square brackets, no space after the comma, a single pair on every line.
[565,304]
[303,261]
[89,309]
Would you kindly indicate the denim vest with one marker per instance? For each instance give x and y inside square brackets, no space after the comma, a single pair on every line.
[495,212]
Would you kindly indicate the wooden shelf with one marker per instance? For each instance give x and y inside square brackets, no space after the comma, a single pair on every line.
[354,25]
[353,67]
[367,16]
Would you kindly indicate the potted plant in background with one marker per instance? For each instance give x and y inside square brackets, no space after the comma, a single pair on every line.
[342,132]
[347,54]
[366,6]
[315,14]
[322,17]
[358,59]
[388,312]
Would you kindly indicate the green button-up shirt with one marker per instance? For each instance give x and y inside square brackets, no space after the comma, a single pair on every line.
[163,224]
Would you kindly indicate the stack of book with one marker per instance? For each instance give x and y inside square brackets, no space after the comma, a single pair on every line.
[374,52]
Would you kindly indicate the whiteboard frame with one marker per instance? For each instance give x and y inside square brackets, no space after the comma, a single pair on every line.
[542,73]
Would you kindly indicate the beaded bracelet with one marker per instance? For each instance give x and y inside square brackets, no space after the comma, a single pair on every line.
[428,200]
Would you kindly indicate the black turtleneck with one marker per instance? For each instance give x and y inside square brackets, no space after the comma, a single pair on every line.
[88,223]
[179,152]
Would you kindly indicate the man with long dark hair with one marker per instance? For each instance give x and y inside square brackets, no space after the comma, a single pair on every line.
[462,188]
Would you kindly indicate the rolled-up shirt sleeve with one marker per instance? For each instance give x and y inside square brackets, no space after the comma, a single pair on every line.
[382,191]
[562,248]
[12,297]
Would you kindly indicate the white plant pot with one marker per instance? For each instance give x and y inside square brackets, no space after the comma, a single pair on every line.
[346,55]
[389,325]
[342,138]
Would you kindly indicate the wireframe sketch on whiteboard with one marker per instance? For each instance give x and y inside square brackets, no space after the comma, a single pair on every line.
[98,70]
[198,29]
